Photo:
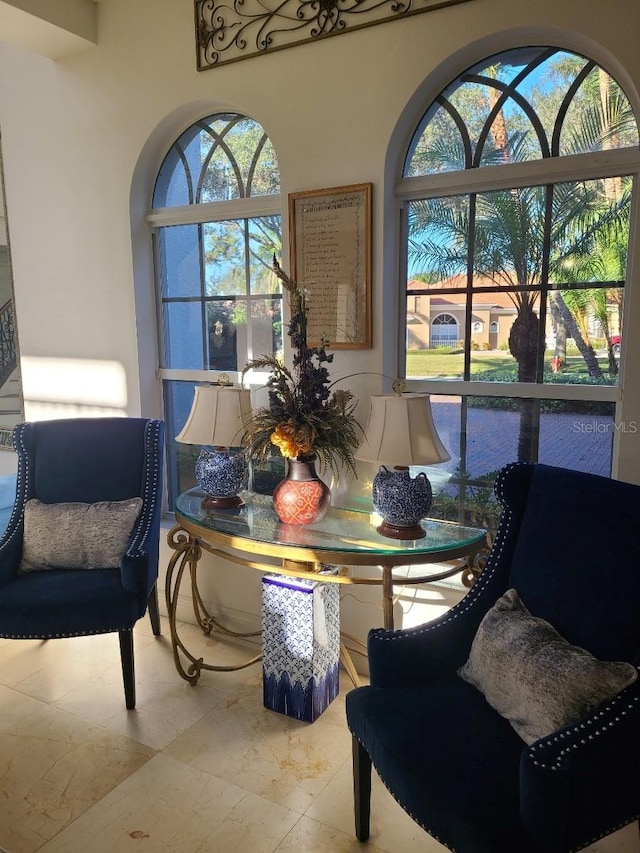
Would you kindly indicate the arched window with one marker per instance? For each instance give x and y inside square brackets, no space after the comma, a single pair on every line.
[216,224]
[516,197]
[444,330]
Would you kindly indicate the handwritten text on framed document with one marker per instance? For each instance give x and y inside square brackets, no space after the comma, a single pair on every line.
[330,232]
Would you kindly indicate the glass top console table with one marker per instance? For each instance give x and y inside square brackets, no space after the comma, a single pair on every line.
[251,535]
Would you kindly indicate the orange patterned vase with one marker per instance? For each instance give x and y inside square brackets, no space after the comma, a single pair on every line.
[302,497]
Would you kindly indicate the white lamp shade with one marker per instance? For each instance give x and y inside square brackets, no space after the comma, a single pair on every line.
[400,432]
[217,417]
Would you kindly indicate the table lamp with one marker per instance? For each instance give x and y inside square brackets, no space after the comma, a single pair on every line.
[216,420]
[400,432]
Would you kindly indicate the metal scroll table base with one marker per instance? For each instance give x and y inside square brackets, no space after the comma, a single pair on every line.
[187,553]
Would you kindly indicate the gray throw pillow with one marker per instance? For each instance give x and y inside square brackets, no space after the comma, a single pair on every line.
[77,535]
[532,676]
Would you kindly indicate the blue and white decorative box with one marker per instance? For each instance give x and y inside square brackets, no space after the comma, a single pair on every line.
[300,645]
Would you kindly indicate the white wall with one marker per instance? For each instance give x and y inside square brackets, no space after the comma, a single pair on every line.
[52,29]
[83,136]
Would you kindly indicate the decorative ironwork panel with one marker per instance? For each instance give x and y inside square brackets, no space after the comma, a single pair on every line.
[237,29]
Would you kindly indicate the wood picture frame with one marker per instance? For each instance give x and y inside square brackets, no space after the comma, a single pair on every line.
[330,243]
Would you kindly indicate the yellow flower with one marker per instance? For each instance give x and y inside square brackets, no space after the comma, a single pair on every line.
[292,440]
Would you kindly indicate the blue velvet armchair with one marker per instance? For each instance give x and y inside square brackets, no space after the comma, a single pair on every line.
[569,543]
[85,461]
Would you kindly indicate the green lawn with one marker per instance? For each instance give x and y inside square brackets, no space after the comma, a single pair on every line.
[437,363]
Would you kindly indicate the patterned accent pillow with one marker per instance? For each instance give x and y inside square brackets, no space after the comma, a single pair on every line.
[532,676]
[77,535]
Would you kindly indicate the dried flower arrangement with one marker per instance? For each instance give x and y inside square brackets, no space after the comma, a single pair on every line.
[305,416]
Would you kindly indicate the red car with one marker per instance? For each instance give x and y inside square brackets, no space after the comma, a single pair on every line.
[615,344]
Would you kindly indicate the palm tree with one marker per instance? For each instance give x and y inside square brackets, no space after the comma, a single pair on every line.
[600,256]
[509,250]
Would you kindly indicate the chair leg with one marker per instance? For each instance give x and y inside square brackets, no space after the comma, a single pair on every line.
[154,612]
[361,789]
[128,673]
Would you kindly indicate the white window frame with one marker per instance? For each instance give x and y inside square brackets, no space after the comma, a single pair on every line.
[576,167]
[196,214]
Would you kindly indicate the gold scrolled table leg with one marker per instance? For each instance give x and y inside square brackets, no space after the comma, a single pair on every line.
[187,554]
[347,662]
[387,597]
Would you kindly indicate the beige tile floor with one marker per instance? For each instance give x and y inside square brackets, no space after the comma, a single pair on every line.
[191,770]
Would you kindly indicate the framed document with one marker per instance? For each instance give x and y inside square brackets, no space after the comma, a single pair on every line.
[330,234]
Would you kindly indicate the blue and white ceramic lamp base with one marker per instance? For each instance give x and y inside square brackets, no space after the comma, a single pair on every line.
[401,501]
[221,475]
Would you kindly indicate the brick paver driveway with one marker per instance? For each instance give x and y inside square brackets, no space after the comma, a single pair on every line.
[580,442]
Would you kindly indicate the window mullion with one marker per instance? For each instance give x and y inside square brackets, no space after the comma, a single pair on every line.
[404,280]
[471,243]
[544,278]
[158,274]
[203,291]
[216,211]
[247,279]
[525,390]
[571,167]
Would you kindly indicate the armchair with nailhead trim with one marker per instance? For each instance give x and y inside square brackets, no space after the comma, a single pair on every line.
[74,464]
[568,542]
